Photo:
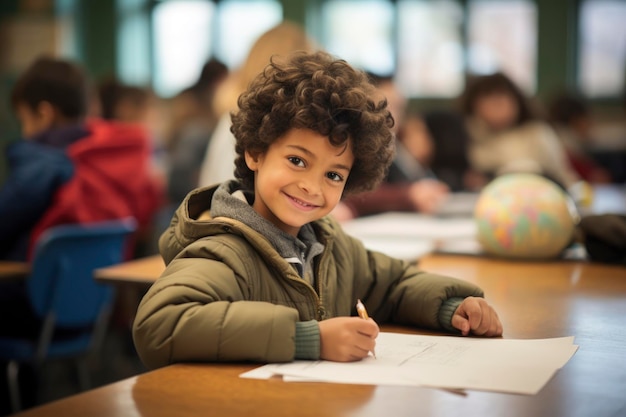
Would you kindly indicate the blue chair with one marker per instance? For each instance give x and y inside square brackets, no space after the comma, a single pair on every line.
[66,298]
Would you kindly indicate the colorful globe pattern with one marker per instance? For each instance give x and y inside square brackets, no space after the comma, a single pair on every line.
[523,216]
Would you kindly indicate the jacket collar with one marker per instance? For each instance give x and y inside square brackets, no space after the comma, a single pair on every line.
[61,137]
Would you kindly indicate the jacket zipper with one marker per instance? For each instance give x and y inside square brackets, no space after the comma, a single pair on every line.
[320,311]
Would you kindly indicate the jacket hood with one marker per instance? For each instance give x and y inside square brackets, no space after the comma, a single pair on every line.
[192,221]
[123,145]
[112,178]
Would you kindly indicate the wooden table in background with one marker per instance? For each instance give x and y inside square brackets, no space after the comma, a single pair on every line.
[13,271]
[142,271]
[533,299]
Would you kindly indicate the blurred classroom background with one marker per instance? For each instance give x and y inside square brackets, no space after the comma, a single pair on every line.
[546,47]
[160,48]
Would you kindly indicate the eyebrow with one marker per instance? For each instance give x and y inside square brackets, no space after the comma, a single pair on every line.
[311,154]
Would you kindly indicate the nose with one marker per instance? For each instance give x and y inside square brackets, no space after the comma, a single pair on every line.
[310,185]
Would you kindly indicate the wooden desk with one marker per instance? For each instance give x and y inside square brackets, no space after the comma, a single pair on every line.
[13,271]
[534,300]
[142,271]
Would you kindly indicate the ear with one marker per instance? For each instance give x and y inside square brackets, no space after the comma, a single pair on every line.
[46,114]
[252,161]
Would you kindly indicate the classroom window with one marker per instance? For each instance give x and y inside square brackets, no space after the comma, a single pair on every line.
[425,44]
[239,24]
[360,32]
[430,50]
[182,42]
[502,36]
[602,48]
[133,43]
[188,32]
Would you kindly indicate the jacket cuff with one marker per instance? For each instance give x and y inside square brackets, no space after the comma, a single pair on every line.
[307,340]
[446,311]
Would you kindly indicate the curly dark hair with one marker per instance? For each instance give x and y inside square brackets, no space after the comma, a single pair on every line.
[326,95]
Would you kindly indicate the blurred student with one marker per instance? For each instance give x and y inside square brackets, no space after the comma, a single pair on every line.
[506,136]
[125,104]
[410,184]
[257,271]
[67,169]
[190,126]
[571,118]
[137,106]
[121,102]
[284,38]
[450,161]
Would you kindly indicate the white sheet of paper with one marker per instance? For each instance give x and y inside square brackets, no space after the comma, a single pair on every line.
[403,247]
[504,365]
[396,224]
[463,246]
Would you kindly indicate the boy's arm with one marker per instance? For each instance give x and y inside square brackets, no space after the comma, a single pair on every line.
[27,192]
[396,291]
[188,315]
[445,303]
[428,300]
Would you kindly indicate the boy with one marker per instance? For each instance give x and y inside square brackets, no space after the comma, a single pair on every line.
[68,169]
[257,271]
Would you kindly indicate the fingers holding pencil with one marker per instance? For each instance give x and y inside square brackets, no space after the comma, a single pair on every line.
[347,339]
[362,312]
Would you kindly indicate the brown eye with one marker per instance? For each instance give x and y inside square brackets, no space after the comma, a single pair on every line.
[296,161]
[334,176]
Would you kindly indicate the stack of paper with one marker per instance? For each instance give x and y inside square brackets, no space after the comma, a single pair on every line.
[505,365]
[410,236]
[396,224]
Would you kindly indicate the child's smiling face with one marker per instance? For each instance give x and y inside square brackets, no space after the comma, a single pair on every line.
[299,179]
[498,109]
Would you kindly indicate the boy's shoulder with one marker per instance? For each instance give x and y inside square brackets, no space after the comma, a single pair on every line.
[23,153]
[329,229]
[195,232]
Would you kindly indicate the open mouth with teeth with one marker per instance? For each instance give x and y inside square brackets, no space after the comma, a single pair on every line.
[300,203]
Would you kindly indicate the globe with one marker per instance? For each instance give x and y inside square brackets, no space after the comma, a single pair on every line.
[524,216]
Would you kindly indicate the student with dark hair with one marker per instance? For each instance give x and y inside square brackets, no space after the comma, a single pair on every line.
[65,170]
[68,169]
[122,102]
[190,127]
[257,270]
[506,136]
[410,184]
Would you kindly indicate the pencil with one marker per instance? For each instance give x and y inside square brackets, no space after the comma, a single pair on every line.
[360,309]
[362,312]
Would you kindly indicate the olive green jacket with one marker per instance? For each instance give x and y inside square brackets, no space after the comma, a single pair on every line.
[227,295]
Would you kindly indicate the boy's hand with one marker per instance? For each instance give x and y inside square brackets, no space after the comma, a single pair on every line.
[476,316]
[347,339]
